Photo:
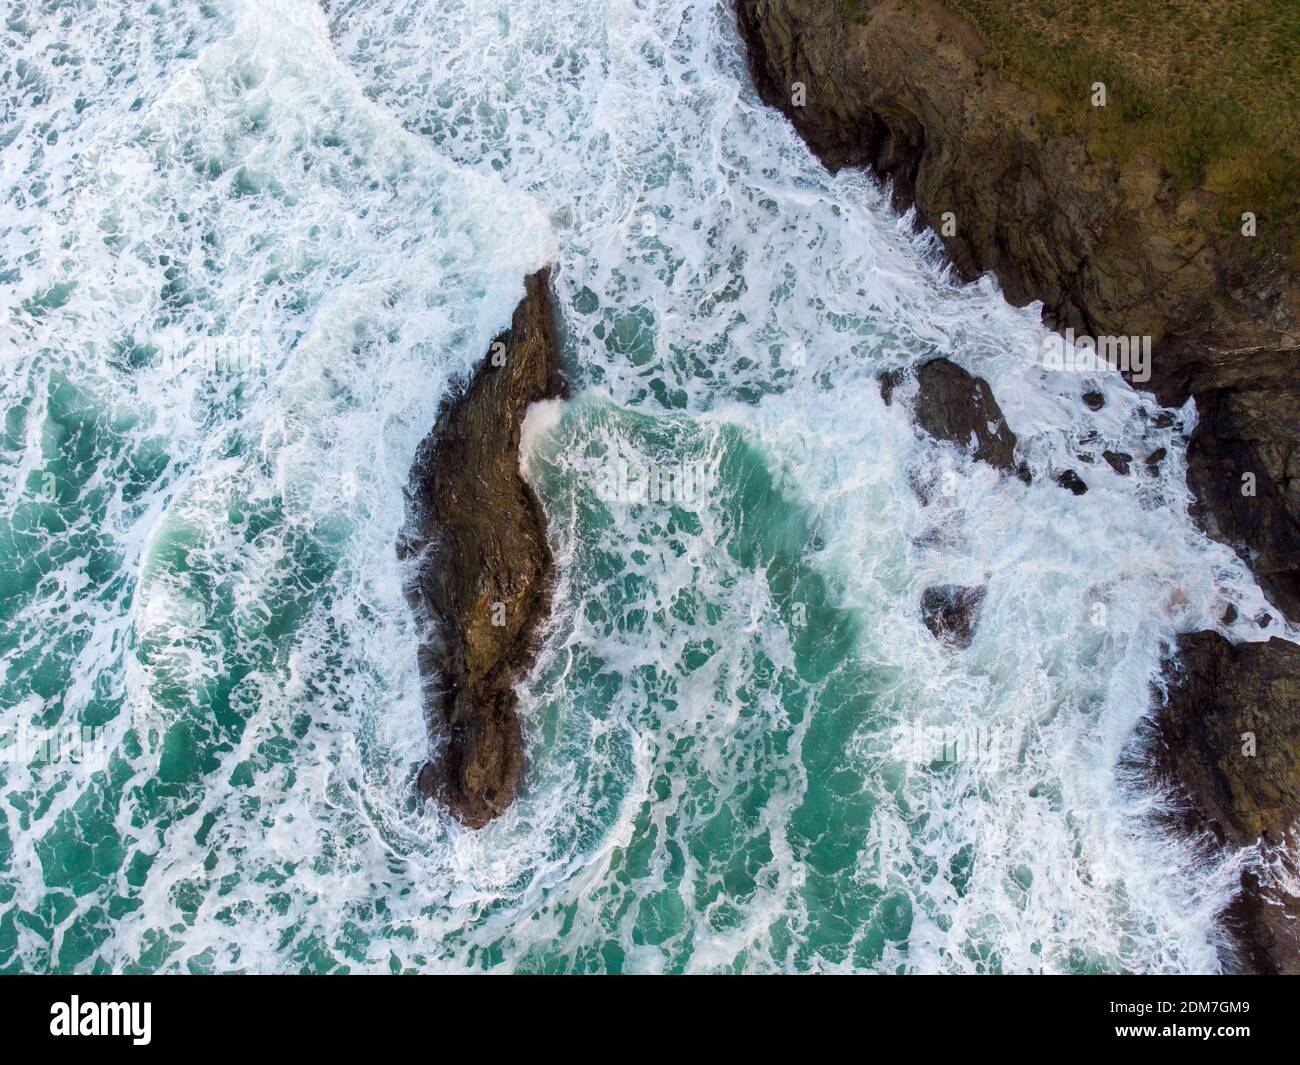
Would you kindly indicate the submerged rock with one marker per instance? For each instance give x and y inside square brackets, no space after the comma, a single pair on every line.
[956,406]
[1229,735]
[480,569]
[951,611]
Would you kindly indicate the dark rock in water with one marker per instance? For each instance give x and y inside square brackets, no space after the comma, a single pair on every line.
[953,405]
[1229,614]
[1243,466]
[480,567]
[1071,480]
[1119,461]
[1264,619]
[1229,735]
[1094,400]
[950,612]
[1154,459]
[1164,420]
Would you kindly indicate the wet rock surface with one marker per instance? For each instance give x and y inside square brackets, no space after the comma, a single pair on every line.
[951,612]
[1119,461]
[479,570]
[956,406]
[1220,691]
[1228,735]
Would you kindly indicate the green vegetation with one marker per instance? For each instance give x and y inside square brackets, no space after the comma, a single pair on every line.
[1209,88]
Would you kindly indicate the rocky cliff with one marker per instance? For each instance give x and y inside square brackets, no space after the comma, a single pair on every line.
[479,568]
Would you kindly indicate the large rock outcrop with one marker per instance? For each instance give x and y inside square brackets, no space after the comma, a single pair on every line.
[1243,466]
[1229,735]
[956,406]
[898,85]
[479,568]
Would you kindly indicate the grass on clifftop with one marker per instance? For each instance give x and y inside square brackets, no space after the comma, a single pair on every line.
[1210,88]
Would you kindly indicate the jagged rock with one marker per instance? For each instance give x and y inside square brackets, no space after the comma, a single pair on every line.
[951,611]
[1229,735]
[479,567]
[1071,480]
[1119,461]
[1153,460]
[956,406]
[1094,400]
[1219,691]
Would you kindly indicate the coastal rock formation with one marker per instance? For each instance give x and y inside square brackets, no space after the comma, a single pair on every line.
[1119,461]
[950,612]
[899,86]
[1229,735]
[953,405]
[1072,482]
[479,566]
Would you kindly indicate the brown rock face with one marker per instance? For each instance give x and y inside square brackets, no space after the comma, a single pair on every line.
[1218,693]
[956,406]
[1229,735]
[897,85]
[480,569]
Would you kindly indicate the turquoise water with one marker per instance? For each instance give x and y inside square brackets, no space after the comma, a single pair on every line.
[246,249]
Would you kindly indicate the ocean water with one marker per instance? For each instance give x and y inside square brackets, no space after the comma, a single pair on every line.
[245,248]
